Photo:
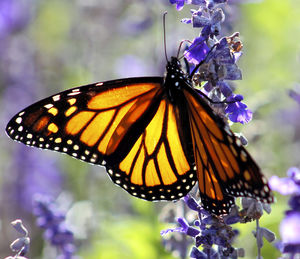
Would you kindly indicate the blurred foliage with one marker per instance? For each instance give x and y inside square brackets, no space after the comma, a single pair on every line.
[72,43]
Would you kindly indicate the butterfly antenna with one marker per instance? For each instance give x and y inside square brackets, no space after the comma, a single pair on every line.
[165,40]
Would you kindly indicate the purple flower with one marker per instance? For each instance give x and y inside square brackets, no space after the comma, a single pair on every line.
[290,225]
[238,111]
[21,244]
[285,186]
[289,232]
[197,51]
[295,95]
[14,15]
[209,19]
[52,219]
[35,174]
[180,3]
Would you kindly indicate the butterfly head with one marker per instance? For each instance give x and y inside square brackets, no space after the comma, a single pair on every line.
[175,77]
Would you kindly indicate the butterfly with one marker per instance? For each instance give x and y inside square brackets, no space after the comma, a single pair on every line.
[156,136]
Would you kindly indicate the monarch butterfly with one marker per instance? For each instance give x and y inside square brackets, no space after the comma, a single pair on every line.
[156,137]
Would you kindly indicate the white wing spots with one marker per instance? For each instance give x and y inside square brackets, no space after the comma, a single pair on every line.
[74,154]
[69,142]
[92,160]
[73,93]
[65,149]
[238,142]
[99,84]
[87,152]
[48,106]
[20,129]
[41,139]
[228,131]
[18,120]
[56,98]
[264,179]
[29,136]
[58,140]
[21,113]
[76,147]
[103,162]
[83,158]
[56,148]
[243,156]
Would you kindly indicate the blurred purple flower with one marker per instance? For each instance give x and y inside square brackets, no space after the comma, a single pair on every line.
[132,66]
[238,111]
[14,15]
[52,219]
[295,94]
[289,232]
[35,174]
[285,186]
[290,225]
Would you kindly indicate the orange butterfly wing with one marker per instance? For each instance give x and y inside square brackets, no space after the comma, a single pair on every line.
[127,125]
[224,168]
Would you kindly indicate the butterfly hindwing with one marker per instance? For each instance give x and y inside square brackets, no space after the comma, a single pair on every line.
[224,168]
[127,125]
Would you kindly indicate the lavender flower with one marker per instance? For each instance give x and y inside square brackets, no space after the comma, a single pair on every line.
[289,226]
[21,245]
[216,60]
[213,236]
[50,218]
[238,111]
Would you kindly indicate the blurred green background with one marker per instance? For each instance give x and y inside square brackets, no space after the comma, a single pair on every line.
[55,45]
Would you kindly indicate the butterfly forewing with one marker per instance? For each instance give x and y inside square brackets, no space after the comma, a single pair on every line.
[127,125]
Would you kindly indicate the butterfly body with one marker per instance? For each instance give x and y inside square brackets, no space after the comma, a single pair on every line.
[156,137]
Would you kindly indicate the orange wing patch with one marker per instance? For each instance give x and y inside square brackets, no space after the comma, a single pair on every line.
[157,158]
